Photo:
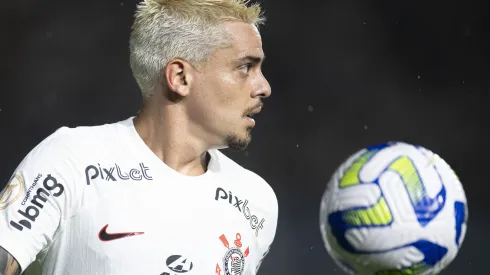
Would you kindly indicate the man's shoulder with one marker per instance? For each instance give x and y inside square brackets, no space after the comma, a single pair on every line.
[81,138]
[239,173]
[231,168]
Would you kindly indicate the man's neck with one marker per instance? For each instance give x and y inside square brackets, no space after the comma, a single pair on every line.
[170,141]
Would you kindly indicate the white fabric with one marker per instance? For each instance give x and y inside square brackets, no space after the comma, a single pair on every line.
[78,180]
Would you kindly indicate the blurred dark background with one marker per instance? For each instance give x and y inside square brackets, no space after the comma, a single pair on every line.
[345,74]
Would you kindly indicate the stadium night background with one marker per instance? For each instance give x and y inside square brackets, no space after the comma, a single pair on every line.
[344,75]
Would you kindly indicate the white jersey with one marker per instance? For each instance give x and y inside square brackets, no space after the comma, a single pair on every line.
[96,200]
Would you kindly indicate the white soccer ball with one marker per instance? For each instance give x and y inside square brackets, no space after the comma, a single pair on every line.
[393,209]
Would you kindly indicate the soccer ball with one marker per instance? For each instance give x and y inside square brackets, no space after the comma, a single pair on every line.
[393,209]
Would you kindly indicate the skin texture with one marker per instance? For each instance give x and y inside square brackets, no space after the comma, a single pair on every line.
[8,265]
[199,108]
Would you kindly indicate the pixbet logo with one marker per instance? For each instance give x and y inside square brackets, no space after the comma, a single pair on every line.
[51,184]
[92,172]
[178,264]
[242,207]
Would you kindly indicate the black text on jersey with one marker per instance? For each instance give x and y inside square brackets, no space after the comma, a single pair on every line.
[242,207]
[178,264]
[109,174]
[32,211]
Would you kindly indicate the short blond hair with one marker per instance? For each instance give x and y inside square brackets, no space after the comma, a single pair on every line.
[187,29]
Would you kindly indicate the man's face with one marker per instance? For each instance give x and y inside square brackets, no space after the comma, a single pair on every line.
[228,87]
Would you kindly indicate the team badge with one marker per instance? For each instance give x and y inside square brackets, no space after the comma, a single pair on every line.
[234,260]
[12,191]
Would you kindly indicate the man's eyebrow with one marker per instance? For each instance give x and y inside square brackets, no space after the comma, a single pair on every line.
[252,59]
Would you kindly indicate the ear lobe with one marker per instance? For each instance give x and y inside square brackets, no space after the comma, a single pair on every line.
[177,75]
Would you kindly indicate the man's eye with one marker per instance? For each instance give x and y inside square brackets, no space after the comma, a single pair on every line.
[246,68]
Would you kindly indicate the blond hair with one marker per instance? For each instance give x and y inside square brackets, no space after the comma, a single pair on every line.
[187,29]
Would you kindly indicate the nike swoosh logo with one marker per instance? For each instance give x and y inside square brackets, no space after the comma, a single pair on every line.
[107,237]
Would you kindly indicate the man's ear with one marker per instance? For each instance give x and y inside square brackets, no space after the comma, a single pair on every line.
[178,75]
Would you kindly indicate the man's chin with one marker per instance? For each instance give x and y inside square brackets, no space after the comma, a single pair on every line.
[237,143]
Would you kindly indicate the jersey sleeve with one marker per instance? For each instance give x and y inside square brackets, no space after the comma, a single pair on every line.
[270,230]
[270,203]
[37,198]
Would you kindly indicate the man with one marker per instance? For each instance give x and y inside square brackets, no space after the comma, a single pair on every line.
[152,194]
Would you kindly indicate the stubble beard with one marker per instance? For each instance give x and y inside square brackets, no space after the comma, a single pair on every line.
[238,144]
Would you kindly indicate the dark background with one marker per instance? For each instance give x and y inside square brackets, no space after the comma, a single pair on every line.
[345,74]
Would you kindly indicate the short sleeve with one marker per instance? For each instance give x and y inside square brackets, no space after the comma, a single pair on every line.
[36,199]
[270,204]
[271,228]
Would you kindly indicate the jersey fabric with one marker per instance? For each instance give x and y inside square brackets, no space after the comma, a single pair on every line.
[96,200]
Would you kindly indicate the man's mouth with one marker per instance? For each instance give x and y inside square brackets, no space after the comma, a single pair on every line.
[255,111]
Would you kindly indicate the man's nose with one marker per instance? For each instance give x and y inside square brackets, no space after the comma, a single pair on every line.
[263,89]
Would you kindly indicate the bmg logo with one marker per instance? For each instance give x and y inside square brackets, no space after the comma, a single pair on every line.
[32,211]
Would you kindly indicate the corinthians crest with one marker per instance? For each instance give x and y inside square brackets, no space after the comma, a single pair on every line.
[234,259]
